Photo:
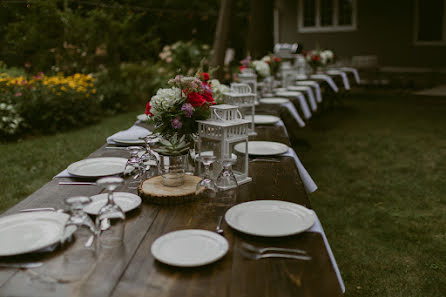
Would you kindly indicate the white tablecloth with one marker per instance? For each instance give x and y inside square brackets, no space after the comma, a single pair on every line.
[317,227]
[314,84]
[328,79]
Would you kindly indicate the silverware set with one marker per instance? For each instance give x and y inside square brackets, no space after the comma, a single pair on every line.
[251,252]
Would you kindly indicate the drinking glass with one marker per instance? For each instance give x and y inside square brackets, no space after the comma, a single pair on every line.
[135,167]
[226,179]
[110,220]
[80,258]
[207,187]
[148,157]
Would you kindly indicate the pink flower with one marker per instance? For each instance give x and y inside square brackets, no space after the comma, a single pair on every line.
[188,109]
[176,123]
[18,94]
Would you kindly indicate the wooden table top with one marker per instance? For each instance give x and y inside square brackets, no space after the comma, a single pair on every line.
[132,271]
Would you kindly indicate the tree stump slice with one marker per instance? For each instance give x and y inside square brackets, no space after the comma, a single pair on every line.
[152,190]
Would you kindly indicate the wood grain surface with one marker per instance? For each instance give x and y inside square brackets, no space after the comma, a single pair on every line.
[131,270]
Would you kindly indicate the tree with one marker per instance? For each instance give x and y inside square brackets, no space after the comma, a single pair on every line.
[221,35]
[260,28]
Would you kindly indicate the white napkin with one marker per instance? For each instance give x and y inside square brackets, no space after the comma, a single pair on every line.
[309,185]
[134,132]
[343,75]
[328,79]
[301,98]
[314,84]
[317,227]
[290,106]
[354,71]
[309,91]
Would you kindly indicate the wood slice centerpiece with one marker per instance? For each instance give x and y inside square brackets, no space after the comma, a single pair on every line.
[152,190]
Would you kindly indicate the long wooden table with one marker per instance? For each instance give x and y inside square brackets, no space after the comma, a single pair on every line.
[132,271]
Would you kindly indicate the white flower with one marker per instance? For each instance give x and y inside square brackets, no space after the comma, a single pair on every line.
[217,90]
[326,56]
[261,68]
[266,59]
[164,100]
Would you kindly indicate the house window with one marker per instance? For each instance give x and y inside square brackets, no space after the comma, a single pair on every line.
[430,23]
[326,15]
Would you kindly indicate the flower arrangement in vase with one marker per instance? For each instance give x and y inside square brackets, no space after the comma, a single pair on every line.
[319,59]
[174,112]
[273,62]
[261,68]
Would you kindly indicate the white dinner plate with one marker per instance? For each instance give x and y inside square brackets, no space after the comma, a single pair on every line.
[96,167]
[189,248]
[142,117]
[289,94]
[270,218]
[29,232]
[274,100]
[127,202]
[262,148]
[261,119]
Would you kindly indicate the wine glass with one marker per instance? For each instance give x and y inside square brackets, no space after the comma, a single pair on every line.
[207,186]
[134,167]
[80,257]
[148,158]
[226,179]
[110,220]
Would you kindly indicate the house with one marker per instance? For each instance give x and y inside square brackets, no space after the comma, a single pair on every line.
[405,39]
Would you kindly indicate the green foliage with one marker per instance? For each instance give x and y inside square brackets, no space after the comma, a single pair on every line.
[173,145]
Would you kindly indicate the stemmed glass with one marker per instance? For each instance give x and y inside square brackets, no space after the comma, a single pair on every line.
[110,220]
[80,258]
[207,186]
[134,167]
[226,179]
[148,157]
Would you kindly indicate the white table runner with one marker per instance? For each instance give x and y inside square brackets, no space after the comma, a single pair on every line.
[314,84]
[317,227]
[309,185]
[343,76]
[309,91]
[301,98]
[354,71]
[327,79]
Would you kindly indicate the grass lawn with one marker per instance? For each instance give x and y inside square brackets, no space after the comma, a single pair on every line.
[379,162]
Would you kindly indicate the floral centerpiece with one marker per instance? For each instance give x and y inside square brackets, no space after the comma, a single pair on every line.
[273,62]
[261,68]
[319,58]
[175,110]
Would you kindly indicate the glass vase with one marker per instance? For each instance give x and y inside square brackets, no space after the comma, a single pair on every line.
[172,169]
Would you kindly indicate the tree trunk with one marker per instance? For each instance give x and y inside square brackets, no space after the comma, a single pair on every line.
[221,37]
[260,30]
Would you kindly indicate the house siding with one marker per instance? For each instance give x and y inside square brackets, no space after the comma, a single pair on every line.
[384,28]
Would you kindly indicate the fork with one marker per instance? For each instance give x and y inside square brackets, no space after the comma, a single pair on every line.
[256,256]
[254,249]
[21,265]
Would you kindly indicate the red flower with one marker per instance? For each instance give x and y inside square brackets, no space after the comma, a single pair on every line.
[148,107]
[241,68]
[316,58]
[195,99]
[204,76]
[277,59]
[208,97]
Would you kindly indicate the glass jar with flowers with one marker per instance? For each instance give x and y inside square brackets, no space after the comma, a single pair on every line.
[174,112]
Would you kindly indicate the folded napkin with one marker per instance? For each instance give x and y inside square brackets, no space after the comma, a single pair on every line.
[317,227]
[343,75]
[354,71]
[133,132]
[301,98]
[314,84]
[327,79]
[309,184]
[309,91]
